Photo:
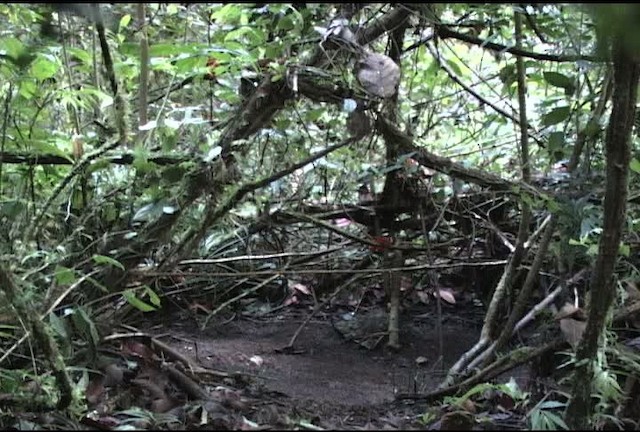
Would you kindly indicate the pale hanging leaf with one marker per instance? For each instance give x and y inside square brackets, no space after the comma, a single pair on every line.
[572,330]
[290,300]
[150,125]
[423,297]
[257,360]
[570,311]
[349,105]
[302,288]
[446,295]
[342,222]
[420,361]
[169,210]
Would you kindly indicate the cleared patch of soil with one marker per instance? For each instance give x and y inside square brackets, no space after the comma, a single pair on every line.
[335,378]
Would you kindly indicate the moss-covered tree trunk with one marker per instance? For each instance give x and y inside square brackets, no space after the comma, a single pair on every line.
[618,152]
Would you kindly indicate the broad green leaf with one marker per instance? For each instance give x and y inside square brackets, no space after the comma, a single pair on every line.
[172,8]
[635,165]
[189,64]
[624,250]
[101,259]
[556,141]
[558,80]
[251,34]
[56,146]
[64,275]
[454,67]
[134,301]
[43,68]
[58,326]
[124,22]
[80,54]
[227,14]
[556,115]
[11,47]
[28,89]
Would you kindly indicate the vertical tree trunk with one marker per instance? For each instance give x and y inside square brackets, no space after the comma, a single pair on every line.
[618,153]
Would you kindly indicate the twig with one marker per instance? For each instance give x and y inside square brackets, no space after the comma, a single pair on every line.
[238,297]
[498,367]
[316,309]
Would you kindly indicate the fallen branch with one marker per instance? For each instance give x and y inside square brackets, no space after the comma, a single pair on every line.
[498,367]
[51,159]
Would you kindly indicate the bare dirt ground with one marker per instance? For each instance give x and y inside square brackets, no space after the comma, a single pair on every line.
[328,380]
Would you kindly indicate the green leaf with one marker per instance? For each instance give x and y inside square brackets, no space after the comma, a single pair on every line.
[11,47]
[64,275]
[84,323]
[556,141]
[172,8]
[55,146]
[80,54]
[624,250]
[635,165]
[248,33]
[558,80]
[556,420]
[101,259]
[556,115]
[227,14]
[134,301]
[153,296]
[28,89]
[551,404]
[98,285]
[453,65]
[58,326]
[42,68]
[124,22]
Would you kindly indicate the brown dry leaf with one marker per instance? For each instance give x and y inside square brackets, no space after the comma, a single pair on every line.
[572,330]
[457,420]
[468,406]
[137,349]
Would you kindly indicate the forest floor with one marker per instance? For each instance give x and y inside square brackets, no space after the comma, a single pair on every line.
[327,380]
